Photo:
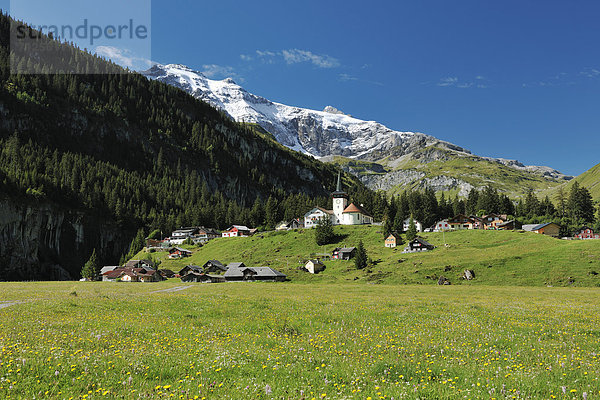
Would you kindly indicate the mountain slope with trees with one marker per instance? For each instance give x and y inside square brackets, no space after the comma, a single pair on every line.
[132,153]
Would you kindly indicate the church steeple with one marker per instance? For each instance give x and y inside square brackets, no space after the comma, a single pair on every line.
[338,190]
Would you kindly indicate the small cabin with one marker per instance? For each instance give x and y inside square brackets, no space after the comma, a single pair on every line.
[393,240]
[343,253]
[418,244]
[314,266]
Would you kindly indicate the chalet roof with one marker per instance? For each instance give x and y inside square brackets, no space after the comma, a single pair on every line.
[422,241]
[583,228]
[184,230]
[236,265]
[541,226]
[512,221]
[344,249]
[179,249]
[217,264]
[267,272]
[316,262]
[106,269]
[239,228]
[234,271]
[407,221]
[459,219]
[191,268]
[352,208]
[135,263]
[395,235]
[320,209]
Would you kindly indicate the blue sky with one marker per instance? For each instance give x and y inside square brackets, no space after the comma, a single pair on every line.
[513,79]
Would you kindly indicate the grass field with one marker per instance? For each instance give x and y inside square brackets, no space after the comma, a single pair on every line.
[298,341]
[497,257]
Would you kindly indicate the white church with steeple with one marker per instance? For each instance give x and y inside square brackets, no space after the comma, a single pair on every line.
[342,213]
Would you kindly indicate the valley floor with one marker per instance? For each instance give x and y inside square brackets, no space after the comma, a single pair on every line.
[289,340]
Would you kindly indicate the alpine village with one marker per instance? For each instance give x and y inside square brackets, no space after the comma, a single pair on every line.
[166,232]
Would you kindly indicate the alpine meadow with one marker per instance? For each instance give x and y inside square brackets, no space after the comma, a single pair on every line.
[310,201]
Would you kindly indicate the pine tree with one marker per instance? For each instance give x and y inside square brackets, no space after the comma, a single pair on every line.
[411,233]
[91,268]
[361,259]
[324,231]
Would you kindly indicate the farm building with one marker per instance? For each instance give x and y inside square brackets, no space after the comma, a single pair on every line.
[243,273]
[343,253]
[548,229]
[237,231]
[314,266]
[214,266]
[418,244]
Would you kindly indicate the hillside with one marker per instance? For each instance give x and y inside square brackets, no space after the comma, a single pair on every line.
[497,257]
[399,158]
[114,147]
[590,179]
[450,171]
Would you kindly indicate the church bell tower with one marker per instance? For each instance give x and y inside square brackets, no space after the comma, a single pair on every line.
[340,201]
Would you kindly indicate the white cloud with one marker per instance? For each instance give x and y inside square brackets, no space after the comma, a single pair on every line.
[124,58]
[215,71]
[591,73]
[347,78]
[449,81]
[294,56]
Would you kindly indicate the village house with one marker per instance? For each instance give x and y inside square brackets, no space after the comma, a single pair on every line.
[239,272]
[197,234]
[237,231]
[511,225]
[342,213]
[393,240]
[214,266]
[128,274]
[492,221]
[314,266]
[406,225]
[478,222]
[146,264]
[586,233]
[291,225]
[343,253]
[418,244]
[311,218]
[461,222]
[549,229]
[194,273]
[178,252]
[443,225]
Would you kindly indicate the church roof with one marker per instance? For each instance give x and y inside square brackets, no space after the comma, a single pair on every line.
[352,208]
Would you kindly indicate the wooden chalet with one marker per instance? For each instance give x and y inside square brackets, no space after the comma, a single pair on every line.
[418,244]
[393,240]
[343,253]
[585,233]
[214,266]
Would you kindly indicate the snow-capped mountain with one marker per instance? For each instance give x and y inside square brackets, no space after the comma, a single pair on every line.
[330,132]
[318,133]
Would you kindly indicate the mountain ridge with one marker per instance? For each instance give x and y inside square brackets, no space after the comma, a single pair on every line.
[331,132]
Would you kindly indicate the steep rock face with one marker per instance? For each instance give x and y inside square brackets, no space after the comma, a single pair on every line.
[44,242]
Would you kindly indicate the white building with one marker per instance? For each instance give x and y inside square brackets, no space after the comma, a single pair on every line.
[342,213]
[406,224]
[311,218]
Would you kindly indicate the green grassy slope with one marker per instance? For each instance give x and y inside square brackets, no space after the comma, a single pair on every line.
[589,179]
[498,258]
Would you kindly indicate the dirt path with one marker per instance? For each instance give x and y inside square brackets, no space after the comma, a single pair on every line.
[5,304]
[174,289]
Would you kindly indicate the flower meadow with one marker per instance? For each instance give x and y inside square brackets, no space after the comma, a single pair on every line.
[297,341]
